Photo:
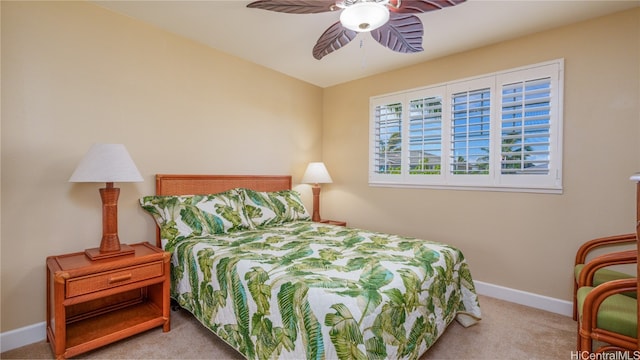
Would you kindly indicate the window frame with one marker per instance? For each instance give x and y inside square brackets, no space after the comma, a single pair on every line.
[495,180]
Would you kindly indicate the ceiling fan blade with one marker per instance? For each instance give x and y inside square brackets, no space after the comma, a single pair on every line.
[420,6]
[335,37]
[295,6]
[403,33]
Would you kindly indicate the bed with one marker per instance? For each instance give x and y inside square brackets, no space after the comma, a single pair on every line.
[251,266]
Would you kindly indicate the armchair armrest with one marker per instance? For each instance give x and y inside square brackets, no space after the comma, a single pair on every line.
[587,247]
[616,258]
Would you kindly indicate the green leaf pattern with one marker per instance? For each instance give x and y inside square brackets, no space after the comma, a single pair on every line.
[309,290]
[273,208]
[194,215]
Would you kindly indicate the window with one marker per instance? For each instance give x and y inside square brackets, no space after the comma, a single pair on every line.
[388,142]
[500,131]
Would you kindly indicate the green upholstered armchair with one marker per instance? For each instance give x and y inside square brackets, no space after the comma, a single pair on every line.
[608,316]
[594,272]
[605,313]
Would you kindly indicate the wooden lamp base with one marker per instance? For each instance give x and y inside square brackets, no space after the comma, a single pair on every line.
[316,203]
[110,246]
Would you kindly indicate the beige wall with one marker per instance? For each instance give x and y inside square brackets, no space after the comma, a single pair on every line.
[518,240]
[74,74]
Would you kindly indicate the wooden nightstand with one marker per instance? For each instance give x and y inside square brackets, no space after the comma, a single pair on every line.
[94,303]
[334,222]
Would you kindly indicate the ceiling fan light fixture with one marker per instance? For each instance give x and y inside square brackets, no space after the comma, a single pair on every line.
[364,16]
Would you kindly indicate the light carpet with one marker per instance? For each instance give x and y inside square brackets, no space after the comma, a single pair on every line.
[506,331]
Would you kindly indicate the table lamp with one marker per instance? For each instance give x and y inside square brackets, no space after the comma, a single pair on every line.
[316,174]
[108,163]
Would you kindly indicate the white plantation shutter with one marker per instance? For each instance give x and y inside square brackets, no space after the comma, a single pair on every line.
[425,136]
[500,131]
[526,127]
[470,132]
[531,127]
[387,147]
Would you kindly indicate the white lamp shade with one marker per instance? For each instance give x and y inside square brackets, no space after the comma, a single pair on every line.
[316,173]
[106,163]
[364,16]
[635,177]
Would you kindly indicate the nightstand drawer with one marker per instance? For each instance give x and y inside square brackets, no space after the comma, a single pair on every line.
[91,283]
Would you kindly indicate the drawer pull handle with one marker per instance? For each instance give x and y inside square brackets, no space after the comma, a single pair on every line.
[120,278]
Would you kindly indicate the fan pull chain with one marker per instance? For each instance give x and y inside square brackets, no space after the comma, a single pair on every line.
[363,59]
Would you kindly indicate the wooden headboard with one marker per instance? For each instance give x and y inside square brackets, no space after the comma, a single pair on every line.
[211,184]
[177,184]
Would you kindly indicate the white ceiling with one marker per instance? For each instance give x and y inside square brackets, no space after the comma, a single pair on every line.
[283,42]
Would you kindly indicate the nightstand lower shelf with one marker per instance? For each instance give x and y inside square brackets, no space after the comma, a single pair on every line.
[112,326]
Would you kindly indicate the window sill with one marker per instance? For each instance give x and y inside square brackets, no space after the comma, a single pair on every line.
[556,191]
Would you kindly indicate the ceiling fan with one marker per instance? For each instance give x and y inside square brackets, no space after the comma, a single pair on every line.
[390,22]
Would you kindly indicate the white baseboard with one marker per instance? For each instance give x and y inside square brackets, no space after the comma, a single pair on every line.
[30,334]
[536,301]
[37,332]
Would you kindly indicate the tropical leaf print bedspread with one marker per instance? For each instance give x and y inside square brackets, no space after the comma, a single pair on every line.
[317,291]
